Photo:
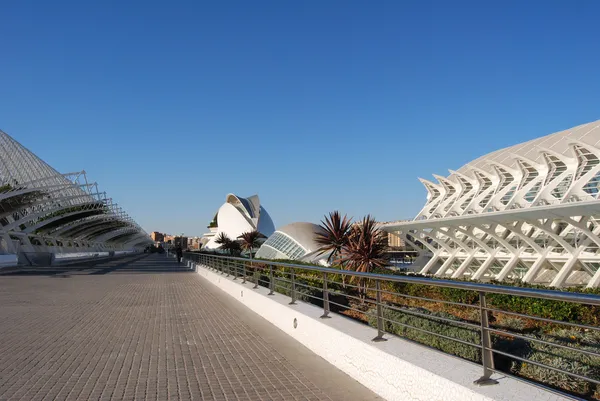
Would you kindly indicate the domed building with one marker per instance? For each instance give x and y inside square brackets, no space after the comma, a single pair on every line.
[295,241]
[528,212]
[236,216]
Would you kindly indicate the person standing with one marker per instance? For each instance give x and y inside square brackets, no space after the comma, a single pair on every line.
[179,253]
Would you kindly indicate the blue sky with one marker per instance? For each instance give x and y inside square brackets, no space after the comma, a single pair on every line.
[314,105]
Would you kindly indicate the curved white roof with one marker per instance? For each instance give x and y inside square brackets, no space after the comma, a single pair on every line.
[557,168]
[238,215]
[294,241]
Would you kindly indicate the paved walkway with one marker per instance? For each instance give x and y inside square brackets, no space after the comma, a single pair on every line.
[140,328]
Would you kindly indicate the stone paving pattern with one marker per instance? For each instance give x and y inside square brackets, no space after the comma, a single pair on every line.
[143,328]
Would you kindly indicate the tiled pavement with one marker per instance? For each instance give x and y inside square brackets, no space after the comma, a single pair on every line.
[139,328]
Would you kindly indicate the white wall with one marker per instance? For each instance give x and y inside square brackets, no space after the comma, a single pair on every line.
[395,369]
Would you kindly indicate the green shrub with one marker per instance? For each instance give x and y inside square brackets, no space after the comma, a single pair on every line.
[429,323]
[302,292]
[563,359]
[512,323]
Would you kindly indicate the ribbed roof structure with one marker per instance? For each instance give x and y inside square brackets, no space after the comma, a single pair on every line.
[529,212]
[557,168]
[44,210]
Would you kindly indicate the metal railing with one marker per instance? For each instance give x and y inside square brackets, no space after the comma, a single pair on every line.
[380,299]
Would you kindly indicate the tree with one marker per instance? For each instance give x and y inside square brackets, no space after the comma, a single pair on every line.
[251,240]
[366,249]
[227,244]
[333,237]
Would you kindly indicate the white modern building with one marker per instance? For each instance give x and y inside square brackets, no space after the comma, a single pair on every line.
[236,216]
[295,241]
[46,216]
[529,212]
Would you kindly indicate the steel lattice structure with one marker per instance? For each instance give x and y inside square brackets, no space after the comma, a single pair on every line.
[529,212]
[43,211]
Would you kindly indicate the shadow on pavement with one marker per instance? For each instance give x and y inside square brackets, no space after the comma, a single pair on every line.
[144,263]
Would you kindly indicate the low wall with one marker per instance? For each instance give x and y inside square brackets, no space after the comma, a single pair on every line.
[84,257]
[395,369]
[8,260]
[46,259]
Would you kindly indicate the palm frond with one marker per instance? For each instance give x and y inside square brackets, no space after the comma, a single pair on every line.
[334,234]
[251,239]
[366,248]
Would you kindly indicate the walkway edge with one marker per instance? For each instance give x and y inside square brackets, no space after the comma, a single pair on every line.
[395,369]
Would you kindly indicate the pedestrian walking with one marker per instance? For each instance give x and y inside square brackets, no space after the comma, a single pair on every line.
[179,253]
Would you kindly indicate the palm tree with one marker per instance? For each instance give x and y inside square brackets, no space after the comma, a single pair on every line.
[223,240]
[227,244]
[366,248]
[333,237]
[251,240]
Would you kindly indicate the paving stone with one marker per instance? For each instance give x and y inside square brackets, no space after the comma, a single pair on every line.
[145,328]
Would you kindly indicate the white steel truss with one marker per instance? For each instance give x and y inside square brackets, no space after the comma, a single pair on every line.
[43,211]
[529,212]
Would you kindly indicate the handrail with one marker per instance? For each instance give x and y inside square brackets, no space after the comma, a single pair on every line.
[554,295]
[288,280]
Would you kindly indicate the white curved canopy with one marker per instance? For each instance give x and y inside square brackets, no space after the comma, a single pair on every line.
[42,210]
[557,168]
[238,215]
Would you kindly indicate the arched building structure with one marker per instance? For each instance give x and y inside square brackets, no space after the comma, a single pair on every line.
[528,212]
[295,241]
[236,216]
[45,212]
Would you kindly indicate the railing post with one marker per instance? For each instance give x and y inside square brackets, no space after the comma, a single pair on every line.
[293,278]
[244,271]
[235,269]
[487,357]
[325,298]
[380,322]
[271,281]
[256,273]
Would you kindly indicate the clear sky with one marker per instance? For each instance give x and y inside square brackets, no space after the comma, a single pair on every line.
[314,105]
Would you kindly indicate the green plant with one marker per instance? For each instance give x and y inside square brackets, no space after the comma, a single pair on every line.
[563,359]
[396,319]
[251,240]
[513,323]
[227,244]
[303,293]
[333,235]
[365,250]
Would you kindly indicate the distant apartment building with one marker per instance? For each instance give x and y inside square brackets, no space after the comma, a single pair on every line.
[180,241]
[157,237]
[194,243]
[394,240]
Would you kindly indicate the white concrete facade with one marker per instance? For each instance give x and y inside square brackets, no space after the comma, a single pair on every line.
[238,215]
[44,213]
[295,241]
[396,369]
[529,212]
